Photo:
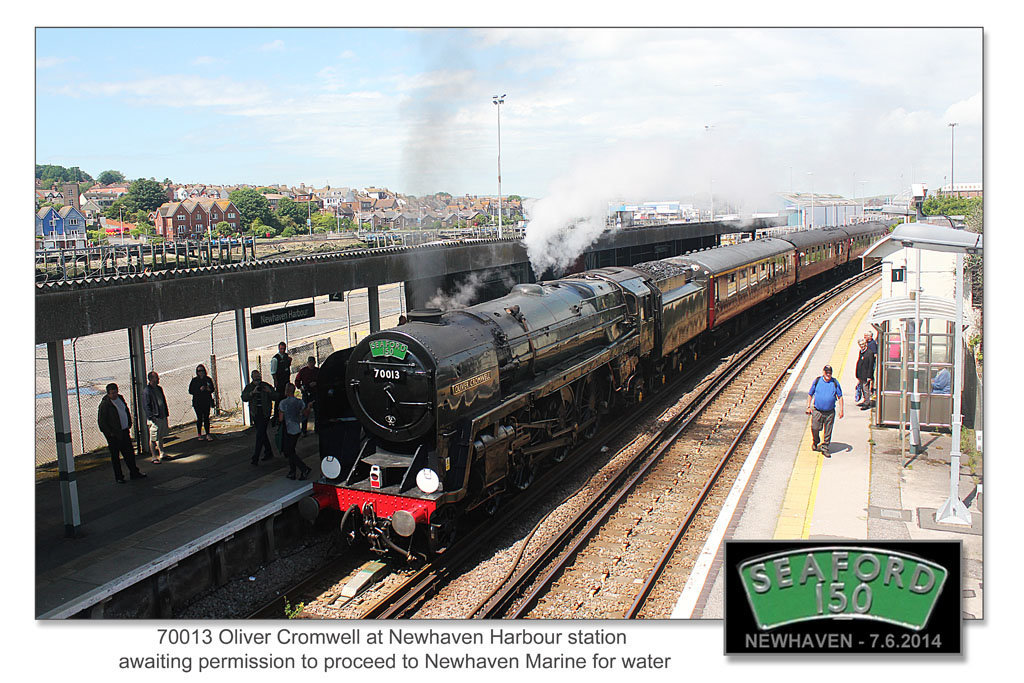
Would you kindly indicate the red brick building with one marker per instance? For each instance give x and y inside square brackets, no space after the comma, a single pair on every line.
[192,218]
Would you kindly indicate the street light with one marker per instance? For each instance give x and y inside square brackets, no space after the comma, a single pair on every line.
[499,100]
[711,174]
[952,132]
[811,173]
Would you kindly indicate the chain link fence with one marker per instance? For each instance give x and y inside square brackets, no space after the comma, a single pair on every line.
[175,348]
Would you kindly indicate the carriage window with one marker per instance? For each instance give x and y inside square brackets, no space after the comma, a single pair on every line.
[732,285]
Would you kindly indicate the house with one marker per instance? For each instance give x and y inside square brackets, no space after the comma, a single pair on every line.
[62,228]
[51,196]
[91,209]
[333,197]
[273,198]
[963,190]
[105,195]
[193,218]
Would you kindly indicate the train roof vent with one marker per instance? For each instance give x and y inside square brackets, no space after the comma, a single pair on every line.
[425,315]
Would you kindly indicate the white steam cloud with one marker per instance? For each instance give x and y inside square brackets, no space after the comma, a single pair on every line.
[573,214]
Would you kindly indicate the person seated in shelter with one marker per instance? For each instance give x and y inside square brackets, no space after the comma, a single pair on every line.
[941,383]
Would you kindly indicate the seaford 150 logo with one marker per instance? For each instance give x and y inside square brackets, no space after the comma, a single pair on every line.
[842,583]
[388,348]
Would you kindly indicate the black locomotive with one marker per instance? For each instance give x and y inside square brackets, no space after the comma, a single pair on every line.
[462,407]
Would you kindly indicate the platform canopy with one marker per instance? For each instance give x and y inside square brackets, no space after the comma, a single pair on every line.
[896,309]
[923,236]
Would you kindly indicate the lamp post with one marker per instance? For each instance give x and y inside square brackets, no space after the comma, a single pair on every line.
[861,182]
[711,178]
[952,133]
[811,173]
[499,100]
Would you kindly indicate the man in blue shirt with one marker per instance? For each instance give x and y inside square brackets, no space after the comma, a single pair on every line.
[290,412]
[825,393]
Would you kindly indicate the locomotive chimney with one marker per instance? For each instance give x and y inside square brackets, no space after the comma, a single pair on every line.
[425,315]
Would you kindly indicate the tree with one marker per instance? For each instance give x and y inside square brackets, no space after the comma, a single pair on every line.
[256,228]
[252,205]
[288,232]
[145,195]
[51,173]
[949,206]
[108,177]
[287,208]
[224,228]
[322,222]
[514,198]
[121,208]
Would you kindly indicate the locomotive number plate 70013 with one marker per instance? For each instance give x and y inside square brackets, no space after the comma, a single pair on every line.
[388,374]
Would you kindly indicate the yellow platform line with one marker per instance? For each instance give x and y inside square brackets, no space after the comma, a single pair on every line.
[798,503]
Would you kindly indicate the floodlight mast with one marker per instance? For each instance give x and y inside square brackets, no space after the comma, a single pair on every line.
[499,100]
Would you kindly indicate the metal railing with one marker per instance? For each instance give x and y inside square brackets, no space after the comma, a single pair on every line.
[53,265]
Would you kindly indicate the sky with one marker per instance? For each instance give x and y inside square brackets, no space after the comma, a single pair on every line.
[747,112]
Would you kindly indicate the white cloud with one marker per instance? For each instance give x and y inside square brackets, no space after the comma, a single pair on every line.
[174,91]
[965,112]
[49,62]
[273,46]
[204,60]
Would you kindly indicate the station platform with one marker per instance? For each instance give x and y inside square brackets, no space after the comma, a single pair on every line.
[207,492]
[863,491]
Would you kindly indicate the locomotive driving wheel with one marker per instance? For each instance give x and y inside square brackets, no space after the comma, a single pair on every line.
[589,408]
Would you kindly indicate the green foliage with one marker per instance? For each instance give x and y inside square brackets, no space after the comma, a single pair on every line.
[50,174]
[291,611]
[224,228]
[322,222]
[949,206]
[287,208]
[95,235]
[121,208]
[108,177]
[515,198]
[145,195]
[252,206]
[288,232]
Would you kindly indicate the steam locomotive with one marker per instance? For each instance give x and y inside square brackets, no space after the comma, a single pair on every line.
[462,407]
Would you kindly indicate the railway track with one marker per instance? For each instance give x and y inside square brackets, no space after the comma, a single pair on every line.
[407,590]
[610,557]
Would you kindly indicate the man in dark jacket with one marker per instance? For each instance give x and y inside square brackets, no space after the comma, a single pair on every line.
[155,404]
[281,368]
[260,396]
[865,373]
[115,423]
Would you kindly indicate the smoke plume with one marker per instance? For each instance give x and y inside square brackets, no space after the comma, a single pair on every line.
[465,293]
